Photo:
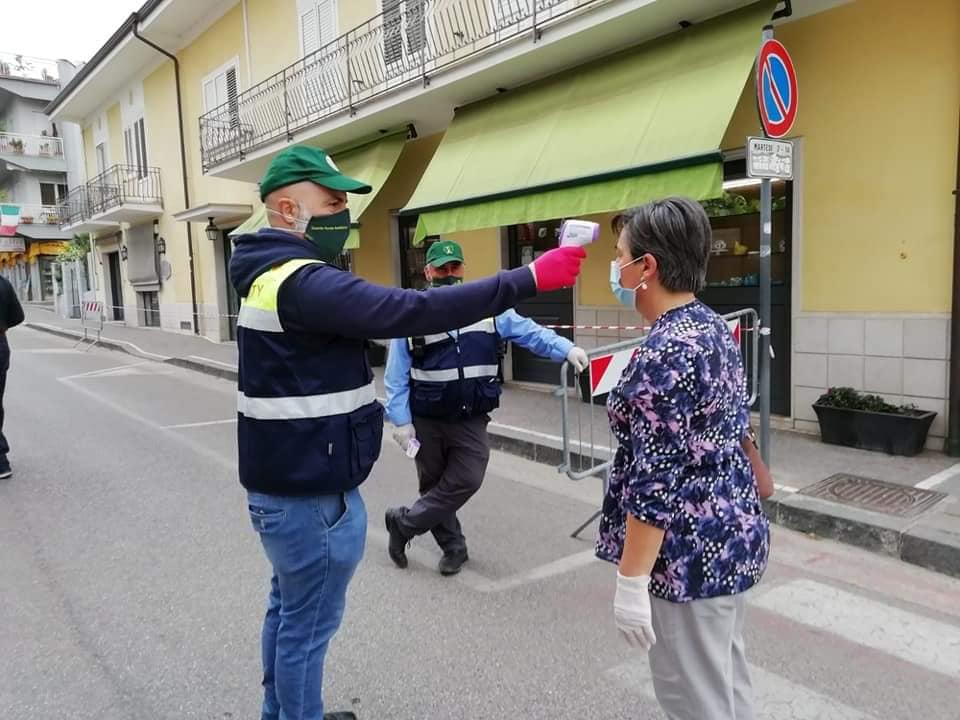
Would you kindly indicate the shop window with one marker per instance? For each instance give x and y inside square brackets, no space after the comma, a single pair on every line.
[735,219]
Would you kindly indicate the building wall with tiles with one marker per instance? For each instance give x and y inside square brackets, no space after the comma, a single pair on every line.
[902,358]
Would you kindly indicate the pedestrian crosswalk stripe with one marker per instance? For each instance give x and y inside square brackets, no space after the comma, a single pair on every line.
[775,697]
[917,639]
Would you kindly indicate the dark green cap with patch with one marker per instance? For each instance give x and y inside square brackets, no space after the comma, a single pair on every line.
[443,252]
[302,162]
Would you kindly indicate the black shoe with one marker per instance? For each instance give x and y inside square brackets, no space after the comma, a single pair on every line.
[339,716]
[5,472]
[452,561]
[397,548]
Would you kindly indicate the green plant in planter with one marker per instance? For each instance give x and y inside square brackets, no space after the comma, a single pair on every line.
[850,399]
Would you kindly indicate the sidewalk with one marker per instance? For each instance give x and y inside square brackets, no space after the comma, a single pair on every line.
[905,521]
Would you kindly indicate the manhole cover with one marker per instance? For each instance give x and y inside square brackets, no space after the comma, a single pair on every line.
[876,495]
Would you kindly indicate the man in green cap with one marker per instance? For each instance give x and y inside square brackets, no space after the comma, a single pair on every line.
[440,391]
[309,427]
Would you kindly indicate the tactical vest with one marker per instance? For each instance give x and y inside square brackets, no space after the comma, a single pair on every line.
[308,419]
[456,374]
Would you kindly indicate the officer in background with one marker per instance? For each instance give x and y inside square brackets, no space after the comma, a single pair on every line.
[11,315]
[309,427]
[440,389]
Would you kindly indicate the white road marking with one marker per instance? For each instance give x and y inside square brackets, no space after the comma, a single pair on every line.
[476,581]
[775,697]
[916,639]
[941,477]
[208,423]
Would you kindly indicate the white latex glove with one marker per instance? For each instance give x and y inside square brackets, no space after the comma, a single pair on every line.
[631,611]
[403,434]
[578,358]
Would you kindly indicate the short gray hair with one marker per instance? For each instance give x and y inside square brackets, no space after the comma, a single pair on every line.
[676,231]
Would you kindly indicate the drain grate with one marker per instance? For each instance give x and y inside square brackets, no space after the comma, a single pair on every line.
[876,495]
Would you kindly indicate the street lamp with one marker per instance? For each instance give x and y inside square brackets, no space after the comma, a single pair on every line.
[159,241]
[213,232]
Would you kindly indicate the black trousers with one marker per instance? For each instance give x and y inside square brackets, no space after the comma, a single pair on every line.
[451,464]
[4,447]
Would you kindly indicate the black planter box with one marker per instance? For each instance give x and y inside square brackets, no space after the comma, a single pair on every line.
[886,432]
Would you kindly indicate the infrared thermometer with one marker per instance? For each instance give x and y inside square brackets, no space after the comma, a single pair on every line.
[578,232]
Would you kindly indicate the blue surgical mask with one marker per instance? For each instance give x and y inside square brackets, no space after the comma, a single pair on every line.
[625,296]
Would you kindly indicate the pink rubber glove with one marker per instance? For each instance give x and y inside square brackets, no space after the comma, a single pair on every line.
[557,268]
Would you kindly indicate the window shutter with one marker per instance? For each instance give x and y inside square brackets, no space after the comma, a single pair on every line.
[231,97]
[327,21]
[140,129]
[310,30]
[209,95]
[128,146]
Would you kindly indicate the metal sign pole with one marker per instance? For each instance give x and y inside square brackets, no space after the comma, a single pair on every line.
[766,213]
[766,220]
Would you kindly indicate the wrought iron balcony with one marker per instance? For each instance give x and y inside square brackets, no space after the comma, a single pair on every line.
[39,214]
[408,41]
[124,185]
[31,145]
[122,193]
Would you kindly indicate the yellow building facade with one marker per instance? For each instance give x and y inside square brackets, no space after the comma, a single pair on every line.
[864,238]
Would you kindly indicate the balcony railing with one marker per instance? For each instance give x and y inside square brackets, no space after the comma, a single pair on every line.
[116,187]
[33,145]
[407,42]
[39,214]
[75,207]
[28,68]
[124,185]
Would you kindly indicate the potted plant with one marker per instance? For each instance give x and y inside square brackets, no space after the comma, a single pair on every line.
[868,422]
[26,219]
[16,144]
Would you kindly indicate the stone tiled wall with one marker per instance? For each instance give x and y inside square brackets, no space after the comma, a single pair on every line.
[904,359]
[590,339]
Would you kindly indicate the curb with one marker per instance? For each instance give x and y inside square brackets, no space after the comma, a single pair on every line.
[931,540]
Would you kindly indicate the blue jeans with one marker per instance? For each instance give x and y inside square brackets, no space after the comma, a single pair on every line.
[314,545]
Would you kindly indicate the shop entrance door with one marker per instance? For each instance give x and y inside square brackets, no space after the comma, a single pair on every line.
[527,243]
[116,289]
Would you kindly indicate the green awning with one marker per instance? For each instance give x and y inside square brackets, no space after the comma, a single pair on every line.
[372,163]
[617,132]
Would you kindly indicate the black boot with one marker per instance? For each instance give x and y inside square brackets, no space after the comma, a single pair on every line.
[397,548]
[452,561]
[339,716]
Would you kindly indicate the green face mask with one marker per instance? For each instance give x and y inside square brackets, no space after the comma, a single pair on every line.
[329,234]
[446,281]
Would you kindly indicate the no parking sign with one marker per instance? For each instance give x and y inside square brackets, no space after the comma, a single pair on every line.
[777,92]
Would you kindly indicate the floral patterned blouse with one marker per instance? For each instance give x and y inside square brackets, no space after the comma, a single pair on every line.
[679,414]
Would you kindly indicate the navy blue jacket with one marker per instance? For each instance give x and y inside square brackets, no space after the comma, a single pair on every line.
[326,315]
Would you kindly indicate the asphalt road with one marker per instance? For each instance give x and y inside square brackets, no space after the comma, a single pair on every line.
[133,585]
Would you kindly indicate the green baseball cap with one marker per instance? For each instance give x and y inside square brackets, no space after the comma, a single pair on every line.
[443,252]
[302,162]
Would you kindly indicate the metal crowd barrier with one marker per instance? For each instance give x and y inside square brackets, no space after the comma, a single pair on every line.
[588,443]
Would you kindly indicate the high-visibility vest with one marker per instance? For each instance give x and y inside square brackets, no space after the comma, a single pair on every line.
[308,419]
[455,374]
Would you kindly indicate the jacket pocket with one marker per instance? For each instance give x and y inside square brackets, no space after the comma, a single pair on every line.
[366,431]
[486,396]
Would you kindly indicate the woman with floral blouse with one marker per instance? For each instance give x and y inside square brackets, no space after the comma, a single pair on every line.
[682,514]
